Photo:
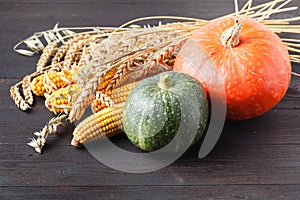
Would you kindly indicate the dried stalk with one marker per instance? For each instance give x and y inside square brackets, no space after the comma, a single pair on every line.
[74,49]
[89,77]
[62,50]
[133,50]
[35,43]
[27,90]
[50,128]
[18,99]
[104,99]
[47,53]
[296,74]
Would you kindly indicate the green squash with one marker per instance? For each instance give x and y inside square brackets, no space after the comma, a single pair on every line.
[158,106]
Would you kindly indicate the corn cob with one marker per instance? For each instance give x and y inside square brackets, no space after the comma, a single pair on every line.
[61,100]
[37,85]
[50,82]
[107,122]
[98,105]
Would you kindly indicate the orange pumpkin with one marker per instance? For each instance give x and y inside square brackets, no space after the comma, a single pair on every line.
[252,61]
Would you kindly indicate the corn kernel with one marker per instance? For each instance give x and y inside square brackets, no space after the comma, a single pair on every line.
[106,122]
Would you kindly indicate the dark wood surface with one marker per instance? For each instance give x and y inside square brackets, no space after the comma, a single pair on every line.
[254,159]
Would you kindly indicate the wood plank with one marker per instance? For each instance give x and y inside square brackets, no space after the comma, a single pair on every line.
[105,9]
[222,152]
[254,159]
[233,192]
[20,19]
[227,164]
[290,101]
[275,127]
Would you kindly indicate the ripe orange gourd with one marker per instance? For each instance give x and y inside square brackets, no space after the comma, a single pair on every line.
[252,61]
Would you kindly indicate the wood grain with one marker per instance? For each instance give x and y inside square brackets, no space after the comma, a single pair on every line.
[288,192]
[254,159]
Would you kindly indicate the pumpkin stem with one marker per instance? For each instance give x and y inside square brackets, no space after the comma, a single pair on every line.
[165,81]
[231,36]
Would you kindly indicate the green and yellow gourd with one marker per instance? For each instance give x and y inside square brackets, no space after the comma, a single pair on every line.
[158,106]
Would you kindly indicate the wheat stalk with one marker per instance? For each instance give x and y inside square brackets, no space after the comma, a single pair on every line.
[104,99]
[115,46]
[18,99]
[133,50]
[75,49]
[95,60]
[50,128]
[27,90]
[47,53]
[260,12]
[35,42]
[62,50]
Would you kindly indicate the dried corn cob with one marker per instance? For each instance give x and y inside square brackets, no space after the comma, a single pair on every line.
[49,82]
[37,85]
[97,104]
[61,100]
[107,122]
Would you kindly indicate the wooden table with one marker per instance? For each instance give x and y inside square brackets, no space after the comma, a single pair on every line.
[254,159]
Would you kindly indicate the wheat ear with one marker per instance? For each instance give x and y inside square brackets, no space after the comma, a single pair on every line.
[47,53]
[18,99]
[27,92]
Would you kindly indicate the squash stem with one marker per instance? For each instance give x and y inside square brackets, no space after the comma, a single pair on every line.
[165,82]
[231,36]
